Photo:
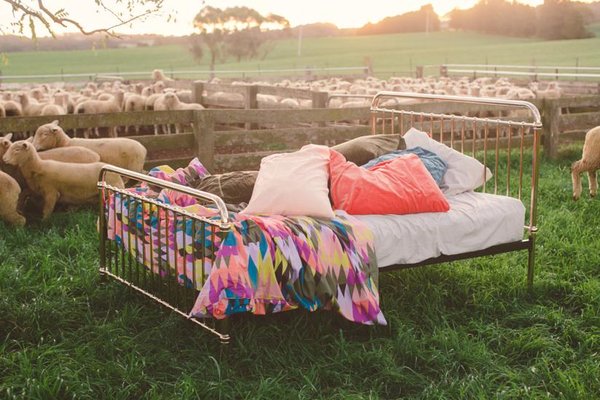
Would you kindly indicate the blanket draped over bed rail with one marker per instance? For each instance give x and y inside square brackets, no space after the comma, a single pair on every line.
[261,265]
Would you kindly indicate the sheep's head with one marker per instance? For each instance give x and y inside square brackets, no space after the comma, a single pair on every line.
[159,87]
[48,136]
[18,153]
[5,144]
[170,98]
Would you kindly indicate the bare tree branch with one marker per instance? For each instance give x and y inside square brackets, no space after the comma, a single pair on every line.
[48,18]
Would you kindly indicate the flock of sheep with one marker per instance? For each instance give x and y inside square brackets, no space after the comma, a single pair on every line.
[111,97]
[53,168]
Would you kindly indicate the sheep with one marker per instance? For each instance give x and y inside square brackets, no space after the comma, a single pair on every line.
[134,102]
[57,181]
[159,75]
[9,200]
[30,109]
[120,152]
[102,106]
[71,154]
[58,108]
[171,102]
[590,162]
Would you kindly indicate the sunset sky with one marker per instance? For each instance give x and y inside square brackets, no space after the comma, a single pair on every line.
[343,13]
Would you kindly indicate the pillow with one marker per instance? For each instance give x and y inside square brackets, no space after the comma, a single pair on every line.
[363,149]
[293,184]
[464,172]
[398,186]
[434,164]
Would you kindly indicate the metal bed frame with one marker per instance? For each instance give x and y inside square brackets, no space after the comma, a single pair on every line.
[480,136]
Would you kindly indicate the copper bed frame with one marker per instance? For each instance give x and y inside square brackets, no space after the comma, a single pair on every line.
[494,140]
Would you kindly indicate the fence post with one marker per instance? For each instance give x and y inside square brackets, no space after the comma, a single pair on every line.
[551,113]
[319,100]
[197,90]
[251,102]
[419,73]
[204,138]
[443,71]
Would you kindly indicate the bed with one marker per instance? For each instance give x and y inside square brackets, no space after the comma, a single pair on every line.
[171,251]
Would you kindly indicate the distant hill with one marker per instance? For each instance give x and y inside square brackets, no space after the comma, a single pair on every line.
[416,21]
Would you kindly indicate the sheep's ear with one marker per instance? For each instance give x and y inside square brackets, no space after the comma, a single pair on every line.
[29,139]
[55,122]
[8,136]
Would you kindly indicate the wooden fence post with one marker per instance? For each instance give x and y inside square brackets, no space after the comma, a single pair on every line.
[204,138]
[551,113]
[197,90]
[251,102]
[319,100]
[419,73]
[443,71]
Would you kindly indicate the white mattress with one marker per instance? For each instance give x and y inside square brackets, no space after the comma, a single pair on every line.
[475,221]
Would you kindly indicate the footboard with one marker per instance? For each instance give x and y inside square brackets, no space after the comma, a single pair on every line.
[504,135]
[160,250]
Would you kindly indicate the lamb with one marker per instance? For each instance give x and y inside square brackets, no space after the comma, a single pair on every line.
[172,102]
[134,102]
[590,162]
[120,152]
[58,108]
[159,75]
[113,105]
[30,109]
[9,200]
[57,181]
[71,154]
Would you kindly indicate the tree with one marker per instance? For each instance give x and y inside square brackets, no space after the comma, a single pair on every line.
[234,31]
[29,15]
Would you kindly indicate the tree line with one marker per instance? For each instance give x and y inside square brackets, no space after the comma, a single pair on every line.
[552,20]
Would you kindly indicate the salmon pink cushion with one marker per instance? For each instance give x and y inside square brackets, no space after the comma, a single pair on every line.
[399,186]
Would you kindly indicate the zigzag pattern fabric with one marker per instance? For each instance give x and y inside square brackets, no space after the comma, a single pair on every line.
[262,265]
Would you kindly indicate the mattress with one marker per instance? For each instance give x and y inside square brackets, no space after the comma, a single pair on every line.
[475,221]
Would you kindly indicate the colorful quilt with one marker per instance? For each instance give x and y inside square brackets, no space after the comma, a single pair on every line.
[261,265]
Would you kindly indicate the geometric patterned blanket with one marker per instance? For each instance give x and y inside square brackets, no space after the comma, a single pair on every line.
[262,265]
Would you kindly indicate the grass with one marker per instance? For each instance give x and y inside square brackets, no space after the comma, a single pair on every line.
[390,54]
[463,330]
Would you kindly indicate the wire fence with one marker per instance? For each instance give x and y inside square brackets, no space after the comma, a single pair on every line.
[190,74]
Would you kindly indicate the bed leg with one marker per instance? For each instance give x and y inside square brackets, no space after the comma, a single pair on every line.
[531,263]
[223,326]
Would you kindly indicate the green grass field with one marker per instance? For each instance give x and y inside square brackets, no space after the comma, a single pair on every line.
[457,331]
[391,54]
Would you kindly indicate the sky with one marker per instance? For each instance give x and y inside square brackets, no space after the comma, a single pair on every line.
[343,13]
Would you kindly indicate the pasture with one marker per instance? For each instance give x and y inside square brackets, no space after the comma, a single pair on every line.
[462,330]
[391,55]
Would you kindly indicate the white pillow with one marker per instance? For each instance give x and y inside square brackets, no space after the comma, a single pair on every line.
[464,172]
[293,184]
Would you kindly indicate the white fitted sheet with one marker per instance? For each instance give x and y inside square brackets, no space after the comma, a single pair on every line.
[475,221]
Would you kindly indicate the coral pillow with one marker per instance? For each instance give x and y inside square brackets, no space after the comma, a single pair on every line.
[293,184]
[399,186]
[464,172]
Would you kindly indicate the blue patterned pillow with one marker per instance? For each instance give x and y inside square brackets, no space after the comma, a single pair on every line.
[434,164]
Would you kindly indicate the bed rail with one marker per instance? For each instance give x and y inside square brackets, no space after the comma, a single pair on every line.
[495,131]
[128,243]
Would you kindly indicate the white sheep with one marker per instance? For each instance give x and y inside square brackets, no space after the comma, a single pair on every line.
[9,200]
[114,105]
[120,152]
[171,102]
[159,75]
[30,108]
[590,162]
[59,107]
[134,102]
[57,181]
[70,154]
